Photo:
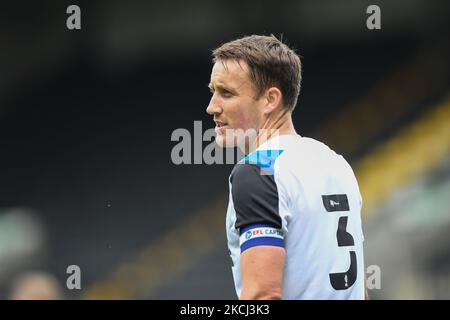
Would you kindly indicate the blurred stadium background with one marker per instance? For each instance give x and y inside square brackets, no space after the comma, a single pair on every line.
[86,118]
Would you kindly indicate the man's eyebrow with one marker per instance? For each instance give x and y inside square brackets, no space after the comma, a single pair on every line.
[221,87]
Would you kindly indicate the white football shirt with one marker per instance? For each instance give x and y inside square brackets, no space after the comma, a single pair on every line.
[297,193]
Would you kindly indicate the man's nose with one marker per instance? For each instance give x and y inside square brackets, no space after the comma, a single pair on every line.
[213,107]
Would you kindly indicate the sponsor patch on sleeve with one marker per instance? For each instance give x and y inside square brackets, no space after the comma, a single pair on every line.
[260,235]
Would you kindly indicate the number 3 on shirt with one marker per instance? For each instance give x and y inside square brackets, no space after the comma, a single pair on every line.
[339,203]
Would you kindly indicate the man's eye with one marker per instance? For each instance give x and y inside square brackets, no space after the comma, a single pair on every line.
[226,94]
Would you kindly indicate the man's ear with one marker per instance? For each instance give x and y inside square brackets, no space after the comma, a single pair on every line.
[273,99]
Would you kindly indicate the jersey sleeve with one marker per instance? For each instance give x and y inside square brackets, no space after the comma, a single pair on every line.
[256,203]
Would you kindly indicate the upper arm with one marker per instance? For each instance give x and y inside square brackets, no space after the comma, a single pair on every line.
[256,202]
[262,272]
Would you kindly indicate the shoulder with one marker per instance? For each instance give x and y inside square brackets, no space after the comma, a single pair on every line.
[249,178]
[255,171]
[255,196]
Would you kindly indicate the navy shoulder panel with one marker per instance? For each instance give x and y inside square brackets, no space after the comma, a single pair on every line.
[255,196]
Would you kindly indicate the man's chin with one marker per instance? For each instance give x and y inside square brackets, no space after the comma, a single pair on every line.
[232,139]
[226,141]
[221,141]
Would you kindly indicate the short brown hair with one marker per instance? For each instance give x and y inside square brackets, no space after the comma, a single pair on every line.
[270,61]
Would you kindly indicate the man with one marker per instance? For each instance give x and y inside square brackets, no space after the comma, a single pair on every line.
[293,221]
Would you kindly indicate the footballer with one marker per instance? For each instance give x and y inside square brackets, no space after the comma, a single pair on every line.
[294,214]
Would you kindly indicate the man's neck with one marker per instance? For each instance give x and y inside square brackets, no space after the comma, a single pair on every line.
[273,127]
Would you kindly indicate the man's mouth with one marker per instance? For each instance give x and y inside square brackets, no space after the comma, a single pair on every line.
[220,127]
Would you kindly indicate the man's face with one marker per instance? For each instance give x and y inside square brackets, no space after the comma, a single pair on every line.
[233,104]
